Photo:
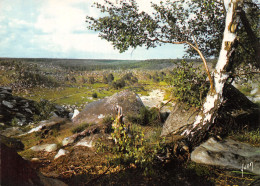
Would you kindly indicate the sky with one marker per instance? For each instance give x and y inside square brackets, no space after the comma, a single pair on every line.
[57,29]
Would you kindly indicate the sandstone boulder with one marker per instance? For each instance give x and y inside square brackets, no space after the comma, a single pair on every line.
[97,110]
[180,116]
[228,153]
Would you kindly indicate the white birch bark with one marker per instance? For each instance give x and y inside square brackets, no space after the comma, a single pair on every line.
[215,99]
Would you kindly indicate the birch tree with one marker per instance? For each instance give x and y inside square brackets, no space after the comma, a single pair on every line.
[199,25]
[221,74]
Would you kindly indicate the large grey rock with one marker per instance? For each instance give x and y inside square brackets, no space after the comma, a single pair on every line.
[180,116]
[97,110]
[228,153]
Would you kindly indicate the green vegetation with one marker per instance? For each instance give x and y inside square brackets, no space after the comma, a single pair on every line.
[190,85]
[131,148]
[252,136]
[94,95]
[146,117]
[80,128]
[45,109]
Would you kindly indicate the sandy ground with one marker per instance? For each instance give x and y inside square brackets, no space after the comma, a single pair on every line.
[154,99]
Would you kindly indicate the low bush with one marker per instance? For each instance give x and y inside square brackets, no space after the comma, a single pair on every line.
[146,117]
[118,84]
[94,95]
[190,85]
[252,137]
[131,148]
[44,110]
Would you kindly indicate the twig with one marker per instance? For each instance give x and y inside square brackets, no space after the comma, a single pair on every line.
[245,74]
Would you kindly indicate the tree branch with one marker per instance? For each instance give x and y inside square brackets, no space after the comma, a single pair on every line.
[235,75]
[212,89]
[224,8]
[201,56]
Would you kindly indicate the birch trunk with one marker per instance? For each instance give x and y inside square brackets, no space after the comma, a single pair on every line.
[196,132]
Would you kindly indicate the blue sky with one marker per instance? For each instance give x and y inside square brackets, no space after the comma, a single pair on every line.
[57,29]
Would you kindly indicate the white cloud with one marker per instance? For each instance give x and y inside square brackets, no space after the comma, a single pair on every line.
[62,19]
[56,28]
[57,16]
[64,25]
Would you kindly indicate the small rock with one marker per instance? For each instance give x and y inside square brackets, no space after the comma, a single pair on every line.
[36,129]
[28,110]
[90,141]
[76,112]
[61,152]
[67,140]
[8,104]
[35,159]
[86,143]
[101,116]
[46,147]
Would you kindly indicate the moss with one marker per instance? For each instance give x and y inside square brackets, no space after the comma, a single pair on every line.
[27,154]
[80,128]
[252,136]
[200,170]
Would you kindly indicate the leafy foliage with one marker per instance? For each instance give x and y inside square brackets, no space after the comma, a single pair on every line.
[118,84]
[146,117]
[130,148]
[45,109]
[252,136]
[125,26]
[197,24]
[189,83]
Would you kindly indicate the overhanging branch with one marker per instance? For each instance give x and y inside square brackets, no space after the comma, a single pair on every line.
[200,54]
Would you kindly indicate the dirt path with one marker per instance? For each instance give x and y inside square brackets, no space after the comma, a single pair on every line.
[154,99]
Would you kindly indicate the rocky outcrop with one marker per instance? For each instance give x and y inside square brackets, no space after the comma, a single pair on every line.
[97,110]
[228,153]
[20,111]
[45,127]
[16,109]
[180,116]
[17,171]
[101,129]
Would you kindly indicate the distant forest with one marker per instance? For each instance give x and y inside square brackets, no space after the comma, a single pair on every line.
[102,64]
